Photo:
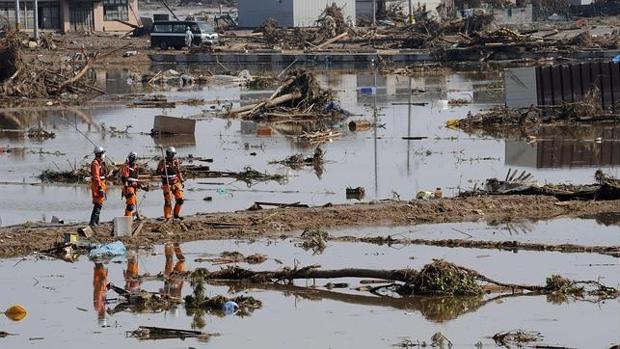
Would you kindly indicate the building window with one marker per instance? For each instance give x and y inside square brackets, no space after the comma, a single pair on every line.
[49,15]
[115,9]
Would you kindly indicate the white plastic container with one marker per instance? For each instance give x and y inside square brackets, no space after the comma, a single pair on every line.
[123,226]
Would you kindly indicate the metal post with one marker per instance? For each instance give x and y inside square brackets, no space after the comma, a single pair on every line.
[36,21]
[375,119]
[410,93]
[17,15]
[374,12]
[410,19]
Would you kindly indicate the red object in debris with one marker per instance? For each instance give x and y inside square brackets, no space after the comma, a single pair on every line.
[264,131]
[581,23]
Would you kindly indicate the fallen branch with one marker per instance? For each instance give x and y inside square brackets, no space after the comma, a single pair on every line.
[513,246]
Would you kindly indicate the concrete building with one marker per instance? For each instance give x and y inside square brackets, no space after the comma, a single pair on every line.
[289,13]
[513,15]
[71,15]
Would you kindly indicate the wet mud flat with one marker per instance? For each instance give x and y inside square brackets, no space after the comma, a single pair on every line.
[31,237]
[305,313]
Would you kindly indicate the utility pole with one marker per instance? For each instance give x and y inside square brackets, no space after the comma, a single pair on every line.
[410,19]
[36,21]
[17,15]
[374,12]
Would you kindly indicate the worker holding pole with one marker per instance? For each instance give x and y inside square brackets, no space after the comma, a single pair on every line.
[169,169]
[98,187]
[131,183]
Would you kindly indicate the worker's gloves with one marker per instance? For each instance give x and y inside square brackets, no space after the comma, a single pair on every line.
[100,191]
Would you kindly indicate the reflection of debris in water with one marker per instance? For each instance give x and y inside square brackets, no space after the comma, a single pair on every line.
[516,338]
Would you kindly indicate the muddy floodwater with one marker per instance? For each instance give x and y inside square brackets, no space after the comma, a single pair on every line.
[59,297]
[409,150]
[380,160]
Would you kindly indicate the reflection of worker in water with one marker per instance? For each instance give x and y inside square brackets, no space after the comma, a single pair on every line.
[172,183]
[129,177]
[173,286]
[100,288]
[132,273]
[98,174]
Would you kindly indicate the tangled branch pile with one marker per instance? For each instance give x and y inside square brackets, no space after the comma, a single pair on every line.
[299,95]
[30,81]
[427,32]
[445,279]
[329,24]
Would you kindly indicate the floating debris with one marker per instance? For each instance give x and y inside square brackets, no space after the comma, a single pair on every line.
[516,338]
[229,257]
[40,134]
[607,188]
[154,333]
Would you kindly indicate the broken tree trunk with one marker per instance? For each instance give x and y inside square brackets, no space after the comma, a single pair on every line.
[310,272]
[77,77]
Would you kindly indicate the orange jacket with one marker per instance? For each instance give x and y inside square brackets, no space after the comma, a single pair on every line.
[98,172]
[129,175]
[172,169]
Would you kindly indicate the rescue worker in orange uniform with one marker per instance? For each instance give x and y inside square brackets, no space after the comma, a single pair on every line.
[173,286]
[131,184]
[100,289]
[98,188]
[132,272]
[172,183]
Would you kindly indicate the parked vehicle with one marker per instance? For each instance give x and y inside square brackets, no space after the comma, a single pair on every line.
[167,34]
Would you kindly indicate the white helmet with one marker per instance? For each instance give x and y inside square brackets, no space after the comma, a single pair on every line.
[98,150]
[132,157]
[171,152]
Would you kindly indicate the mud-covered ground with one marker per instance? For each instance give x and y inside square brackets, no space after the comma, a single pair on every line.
[27,238]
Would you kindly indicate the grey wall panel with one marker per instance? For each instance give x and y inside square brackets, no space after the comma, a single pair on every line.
[306,12]
[520,87]
[252,13]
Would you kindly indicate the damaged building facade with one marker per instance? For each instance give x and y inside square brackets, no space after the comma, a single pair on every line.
[289,13]
[70,15]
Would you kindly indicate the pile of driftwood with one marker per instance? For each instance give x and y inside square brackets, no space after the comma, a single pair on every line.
[606,188]
[330,27]
[27,82]
[299,96]
[587,110]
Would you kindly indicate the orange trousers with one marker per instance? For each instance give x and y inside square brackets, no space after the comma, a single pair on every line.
[100,289]
[98,198]
[131,201]
[174,286]
[173,190]
[131,273]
